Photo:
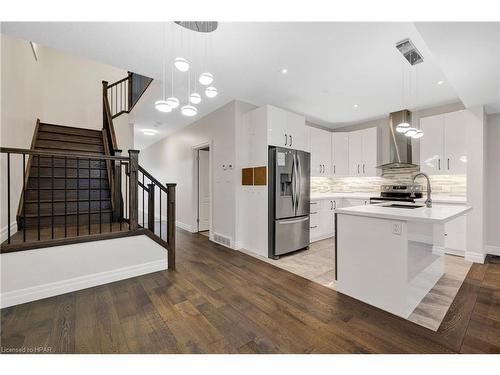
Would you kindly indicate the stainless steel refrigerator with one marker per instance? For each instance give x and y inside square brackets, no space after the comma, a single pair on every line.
[289,196]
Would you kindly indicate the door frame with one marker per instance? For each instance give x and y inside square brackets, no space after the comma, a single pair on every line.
[196,196]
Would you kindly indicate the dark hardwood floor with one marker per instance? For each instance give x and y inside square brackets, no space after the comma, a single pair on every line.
[222,301]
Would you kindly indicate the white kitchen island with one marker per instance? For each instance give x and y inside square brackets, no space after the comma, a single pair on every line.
[391,257]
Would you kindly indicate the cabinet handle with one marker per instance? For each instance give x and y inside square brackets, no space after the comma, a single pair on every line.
[286,139]
[335,204]
[334,169]
[313,202]
[439,164]
[313,227]
[291,140]
[363,168]
[448,163]
[358,168]
[331,205]
[313,213]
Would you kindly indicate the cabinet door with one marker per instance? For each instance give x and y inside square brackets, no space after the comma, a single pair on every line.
[431,145]
[277,127]
[370,152]
[340,154]
[296,125]
[455,154]
[320,153]
[355,153]
[307,138]
[455,232]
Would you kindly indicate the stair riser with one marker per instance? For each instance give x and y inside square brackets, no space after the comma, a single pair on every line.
[71,183]
[46,222]
[70,163]
[67,172]
[70,194]
[69,130]
[49,136]
[71,207]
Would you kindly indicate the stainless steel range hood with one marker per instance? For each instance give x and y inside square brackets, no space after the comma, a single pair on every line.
[400,155]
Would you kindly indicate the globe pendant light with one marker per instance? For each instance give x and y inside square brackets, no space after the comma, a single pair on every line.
[211,92]
[411,132]
[418,134]
[206,78]
[163,106]
[189,110]
[403,127]
[195,98]
[173,102]
[181,64]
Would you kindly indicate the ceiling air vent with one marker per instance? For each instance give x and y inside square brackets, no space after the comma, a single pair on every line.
[410,52]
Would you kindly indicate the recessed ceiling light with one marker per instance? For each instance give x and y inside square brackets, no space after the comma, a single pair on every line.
[439,83]
[149,132]
[284,71]
[355,106]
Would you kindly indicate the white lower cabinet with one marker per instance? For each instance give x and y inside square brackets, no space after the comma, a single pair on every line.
[350,202]
[323,218]
[455,241]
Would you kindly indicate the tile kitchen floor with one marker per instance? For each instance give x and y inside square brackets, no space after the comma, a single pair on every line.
[318,264]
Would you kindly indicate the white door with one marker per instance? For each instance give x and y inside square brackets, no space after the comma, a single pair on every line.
[369,147]
[203,191]
[355,153]
[432,144]
[340,154]
[296,129]
[277,127]
[455,154]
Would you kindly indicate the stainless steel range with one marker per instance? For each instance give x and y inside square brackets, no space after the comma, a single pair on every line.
[398,193]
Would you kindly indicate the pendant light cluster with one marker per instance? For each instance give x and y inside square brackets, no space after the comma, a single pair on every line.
[182,65]
[413,56]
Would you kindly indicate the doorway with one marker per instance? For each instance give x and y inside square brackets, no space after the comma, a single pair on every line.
[204,205]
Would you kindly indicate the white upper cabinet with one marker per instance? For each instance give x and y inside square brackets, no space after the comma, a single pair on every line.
[296,130]
[431,144]
[443,146]
[370,154]
[355,153]
[321,152]
[455,153]
[285,129]
[276,127]
[364,152]
[340,154]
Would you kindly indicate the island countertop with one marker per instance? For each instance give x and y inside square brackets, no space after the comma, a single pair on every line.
[438,213]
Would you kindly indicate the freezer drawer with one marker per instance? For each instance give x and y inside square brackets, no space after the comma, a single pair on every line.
[291,234]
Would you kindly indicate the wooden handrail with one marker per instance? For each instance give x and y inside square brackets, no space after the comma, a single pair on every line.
[108,119]
[118,82]
[154,180]
[13,150]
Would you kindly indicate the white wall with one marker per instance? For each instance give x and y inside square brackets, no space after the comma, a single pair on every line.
[172,160]
[493,184]
[58,88]
[34,274]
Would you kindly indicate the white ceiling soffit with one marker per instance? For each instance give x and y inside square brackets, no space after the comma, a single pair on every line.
[332,66]
[469,54]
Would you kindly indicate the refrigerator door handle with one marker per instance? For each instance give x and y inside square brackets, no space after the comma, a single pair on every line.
[296,181]
[294,209]
[293,221]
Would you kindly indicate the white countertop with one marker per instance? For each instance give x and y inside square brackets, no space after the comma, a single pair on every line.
[368,195]
[360,195]
[438,213]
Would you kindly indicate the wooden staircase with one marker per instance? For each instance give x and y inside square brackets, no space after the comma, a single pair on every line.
[77,187]
[57,191]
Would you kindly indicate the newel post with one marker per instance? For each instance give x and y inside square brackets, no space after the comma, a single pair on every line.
[171,225]
[133,198]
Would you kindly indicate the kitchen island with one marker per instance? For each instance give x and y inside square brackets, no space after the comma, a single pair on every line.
[391,255]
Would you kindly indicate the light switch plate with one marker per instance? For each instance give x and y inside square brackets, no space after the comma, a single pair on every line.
[396,229]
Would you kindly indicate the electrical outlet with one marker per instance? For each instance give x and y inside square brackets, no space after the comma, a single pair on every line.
[396,229]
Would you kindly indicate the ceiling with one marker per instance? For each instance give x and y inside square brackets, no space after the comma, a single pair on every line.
[331,66]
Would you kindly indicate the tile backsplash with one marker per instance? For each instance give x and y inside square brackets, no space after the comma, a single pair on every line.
[449,185]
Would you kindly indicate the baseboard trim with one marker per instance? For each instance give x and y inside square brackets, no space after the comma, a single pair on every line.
[238,245]
[493,250]
[475,257]
[17,297]
[321,238]
[184,226]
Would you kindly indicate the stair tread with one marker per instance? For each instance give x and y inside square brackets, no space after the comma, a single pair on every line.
[34,201]
[69,146]
[62,129]
[49,149]
[69,213]
[52,136]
